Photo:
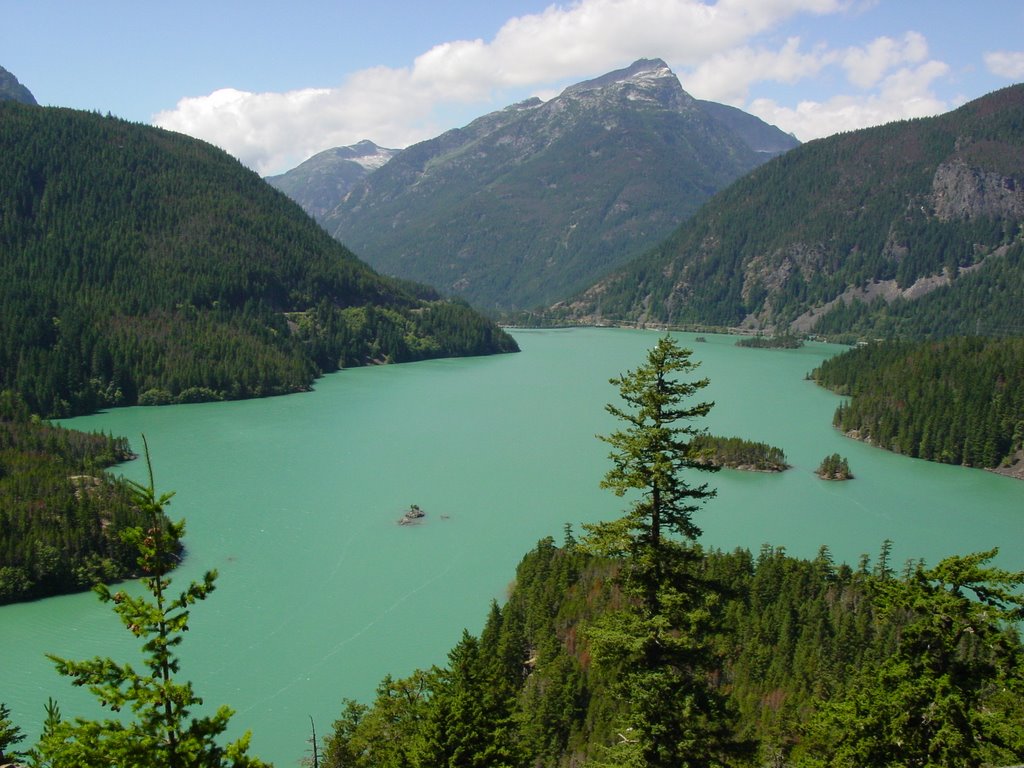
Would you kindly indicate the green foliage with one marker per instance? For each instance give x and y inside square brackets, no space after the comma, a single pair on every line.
[658,643]
[796,640]
[651,452]
[985,301]
[775,341]
[389,734]
[834,467]
[141,265]
[958,401]
[931,702]
[160,732]
[61,515]
[841,213]
[10,736]
[738,453]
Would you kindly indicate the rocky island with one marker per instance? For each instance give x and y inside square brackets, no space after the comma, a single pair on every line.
[412,516]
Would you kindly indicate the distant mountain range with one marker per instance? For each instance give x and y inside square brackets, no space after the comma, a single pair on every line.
[12,90]
[525,205]
[144,266]
[911,229]
[319,183]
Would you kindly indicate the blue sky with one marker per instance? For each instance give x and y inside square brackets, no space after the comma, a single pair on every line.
[274,82]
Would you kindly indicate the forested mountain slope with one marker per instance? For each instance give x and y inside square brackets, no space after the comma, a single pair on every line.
[12,90]
[911,228]
[143,266]
[524,205]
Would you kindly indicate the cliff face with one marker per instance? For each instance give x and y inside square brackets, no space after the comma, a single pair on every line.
[961,191]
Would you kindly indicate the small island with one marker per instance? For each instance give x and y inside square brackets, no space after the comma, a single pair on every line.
[834,467]
[737,453]
[412,516]
[779,341]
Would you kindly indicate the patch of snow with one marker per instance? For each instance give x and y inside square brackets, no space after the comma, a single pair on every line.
[376,160]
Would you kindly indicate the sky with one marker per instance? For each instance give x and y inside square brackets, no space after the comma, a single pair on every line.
[273,82]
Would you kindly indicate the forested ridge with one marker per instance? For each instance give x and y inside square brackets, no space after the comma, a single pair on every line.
[139,265]
[60,515]
[814,238]
[958,400]
[794,639]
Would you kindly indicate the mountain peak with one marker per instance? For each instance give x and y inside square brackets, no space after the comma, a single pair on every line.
[644,79]
[369,155]
[524,204]
[12,90]
[320,181]
[640,71]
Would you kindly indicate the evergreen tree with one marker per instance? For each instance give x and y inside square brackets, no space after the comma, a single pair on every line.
[649,455]
[660,642]
[160,733]
[10,734]
[943,697]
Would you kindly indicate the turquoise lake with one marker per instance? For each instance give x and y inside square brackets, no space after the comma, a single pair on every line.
[294,500]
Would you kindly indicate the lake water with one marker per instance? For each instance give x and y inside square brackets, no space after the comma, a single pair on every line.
[295,501]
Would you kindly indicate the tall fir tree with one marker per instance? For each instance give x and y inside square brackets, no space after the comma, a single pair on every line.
[659,641]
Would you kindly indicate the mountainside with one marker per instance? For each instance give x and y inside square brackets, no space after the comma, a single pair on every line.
[12,90]
[319,183]
[142,266]
[912,228]
[529,203]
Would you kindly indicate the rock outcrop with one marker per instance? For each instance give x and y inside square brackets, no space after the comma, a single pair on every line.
[961,191]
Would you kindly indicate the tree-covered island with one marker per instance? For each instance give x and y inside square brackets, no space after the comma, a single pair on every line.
[774,341]
[834,467]
[737,453]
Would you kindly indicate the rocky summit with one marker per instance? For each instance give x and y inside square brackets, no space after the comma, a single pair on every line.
[318,183]
[529,203]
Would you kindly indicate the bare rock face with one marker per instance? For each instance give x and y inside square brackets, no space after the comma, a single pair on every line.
[960,191]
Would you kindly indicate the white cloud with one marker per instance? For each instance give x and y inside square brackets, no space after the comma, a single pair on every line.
[903,94]
[719,50]
[1008,64]
[728,76]
[865,67]
[397,106]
